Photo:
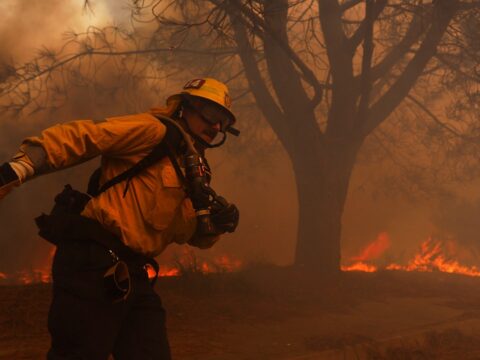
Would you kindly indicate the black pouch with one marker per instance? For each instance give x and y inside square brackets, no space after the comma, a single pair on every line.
[64,223]
[54,227]
[70,201]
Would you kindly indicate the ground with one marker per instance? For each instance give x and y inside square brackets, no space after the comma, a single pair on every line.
[280,313]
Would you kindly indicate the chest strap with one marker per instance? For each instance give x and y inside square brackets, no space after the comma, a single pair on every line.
[172,140]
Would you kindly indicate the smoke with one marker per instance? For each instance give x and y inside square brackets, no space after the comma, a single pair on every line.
[261,184]
[30,24]
[26,27]
[116,92]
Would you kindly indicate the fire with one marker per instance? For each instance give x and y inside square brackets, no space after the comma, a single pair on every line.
[375,249]
[372,251]
[432,256]
[34,275]
[360,266]
[189,263]
[168,271]
[26,277]
[229,265]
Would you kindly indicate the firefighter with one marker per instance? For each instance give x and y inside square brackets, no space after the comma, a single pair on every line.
[103,299]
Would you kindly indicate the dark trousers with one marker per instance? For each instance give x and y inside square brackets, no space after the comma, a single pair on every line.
[83,321]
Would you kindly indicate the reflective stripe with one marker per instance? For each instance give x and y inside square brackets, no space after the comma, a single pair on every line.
[23,170]
[35,156]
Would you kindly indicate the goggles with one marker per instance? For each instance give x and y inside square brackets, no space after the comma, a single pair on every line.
[213,114]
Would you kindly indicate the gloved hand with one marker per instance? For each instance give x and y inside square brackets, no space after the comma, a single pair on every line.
[224,215]
[8,179]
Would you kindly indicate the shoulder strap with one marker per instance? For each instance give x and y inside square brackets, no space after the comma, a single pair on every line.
[172,139]
[94,182]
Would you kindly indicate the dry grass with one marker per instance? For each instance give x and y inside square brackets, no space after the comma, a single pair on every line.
[451,344]
[266,312]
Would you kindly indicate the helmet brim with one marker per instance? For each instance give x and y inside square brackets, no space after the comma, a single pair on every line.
[187,96]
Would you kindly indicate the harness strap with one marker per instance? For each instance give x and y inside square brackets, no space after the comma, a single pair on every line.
[172,138]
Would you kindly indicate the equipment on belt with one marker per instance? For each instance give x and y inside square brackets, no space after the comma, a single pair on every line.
[117,281]
[66,224]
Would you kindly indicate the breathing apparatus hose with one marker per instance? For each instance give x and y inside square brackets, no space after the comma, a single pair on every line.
[197,187]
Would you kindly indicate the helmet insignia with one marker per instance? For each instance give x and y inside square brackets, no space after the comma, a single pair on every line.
[194,84]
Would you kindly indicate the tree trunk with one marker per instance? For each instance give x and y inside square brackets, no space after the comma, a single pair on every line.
[323,160]
[322,179]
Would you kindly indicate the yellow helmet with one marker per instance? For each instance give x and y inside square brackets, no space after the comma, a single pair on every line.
[210,89]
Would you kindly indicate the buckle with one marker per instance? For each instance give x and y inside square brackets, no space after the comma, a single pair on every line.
[117,282]
[113,255]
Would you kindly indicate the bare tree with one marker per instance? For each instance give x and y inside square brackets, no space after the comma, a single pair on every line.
[296,54]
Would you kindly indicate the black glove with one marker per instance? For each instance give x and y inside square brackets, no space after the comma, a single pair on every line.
[8,179]
[7,175]
[200,194]
[225,216]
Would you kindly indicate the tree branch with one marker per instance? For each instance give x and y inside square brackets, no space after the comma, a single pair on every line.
[469,5]
[261,28]
[438,121]
[285,79]
[359,34]
[348,4]
[415,30]
[443,12]
[49,69]
[265,101]
[456,68]
[336,42]
[366,83]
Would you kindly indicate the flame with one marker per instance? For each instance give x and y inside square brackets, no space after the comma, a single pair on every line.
[431,256]
[34,276]
[375,249]
[41,274]
[189,262]
[26,277]
[360,266]
[168,271]
[227,264]
[372,251]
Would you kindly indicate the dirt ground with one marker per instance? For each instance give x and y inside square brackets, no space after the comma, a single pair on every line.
[280,313]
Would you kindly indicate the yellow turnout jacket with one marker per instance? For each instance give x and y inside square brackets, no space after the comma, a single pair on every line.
[155,211]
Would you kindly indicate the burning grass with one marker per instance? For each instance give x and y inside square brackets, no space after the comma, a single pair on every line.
[432,255]
[185,265]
